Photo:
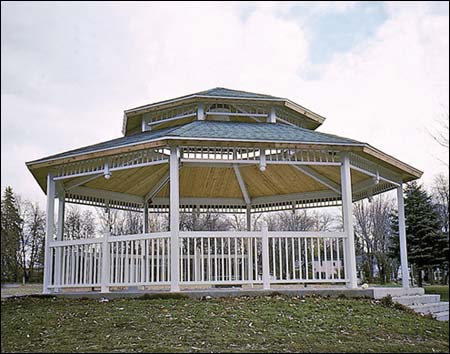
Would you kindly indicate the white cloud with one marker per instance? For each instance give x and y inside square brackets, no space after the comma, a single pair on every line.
[69,71]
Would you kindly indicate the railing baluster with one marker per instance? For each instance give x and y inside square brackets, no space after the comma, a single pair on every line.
[286,246]
[274,269]
[256,258]
[163,252]
[158,260]
[215,259]
[188,260]
[280,258]
[127,263]
[222,261]
[313,270]
[202,260]
[209,259]
[293,258]
[229,258]
[242,260]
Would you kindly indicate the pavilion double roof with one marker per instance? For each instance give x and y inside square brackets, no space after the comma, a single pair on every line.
[280,185]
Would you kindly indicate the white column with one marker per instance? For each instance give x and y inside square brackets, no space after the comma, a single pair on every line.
[272,117]
[59,237]
[249,217]
[346,183]
[145,217]
[201,111]
[265,256]
[49,231]
[402,237]
[174,220]
[105,256]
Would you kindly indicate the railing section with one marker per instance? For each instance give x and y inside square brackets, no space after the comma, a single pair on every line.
[220,257]
[306,257]
[205,258]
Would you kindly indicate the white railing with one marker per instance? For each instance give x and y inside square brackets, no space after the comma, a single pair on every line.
[76,263]
[220,257]
[140,259]
[205,257]
[306,257]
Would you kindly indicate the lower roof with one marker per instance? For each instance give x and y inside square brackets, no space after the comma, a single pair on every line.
[213,130]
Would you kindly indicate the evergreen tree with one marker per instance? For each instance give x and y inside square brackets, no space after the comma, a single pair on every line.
[423,231]
[11,225]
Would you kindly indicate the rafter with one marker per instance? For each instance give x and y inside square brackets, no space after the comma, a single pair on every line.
[319,178]
[157,188]
[104,194]
[241,184]
[80,180]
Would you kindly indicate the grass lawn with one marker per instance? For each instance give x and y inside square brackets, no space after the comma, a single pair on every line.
[438,289]
[264,324]
[19,289]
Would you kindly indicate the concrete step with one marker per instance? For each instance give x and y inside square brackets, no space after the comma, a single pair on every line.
[411,300]
[441,316]
[431,308]
[379,293]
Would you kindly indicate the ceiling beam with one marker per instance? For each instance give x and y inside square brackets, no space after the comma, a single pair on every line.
[202,201]
[319,178]
[157,188]
[241,184]
[107,195]
[374,175]
[80,180]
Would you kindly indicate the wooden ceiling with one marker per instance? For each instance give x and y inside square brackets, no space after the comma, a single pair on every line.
[221,182]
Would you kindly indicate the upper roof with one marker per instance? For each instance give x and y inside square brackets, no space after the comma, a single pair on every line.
[224,92]
[309,119]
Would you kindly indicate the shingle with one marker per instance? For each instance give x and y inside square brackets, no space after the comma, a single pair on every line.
[218,130]
[256,132]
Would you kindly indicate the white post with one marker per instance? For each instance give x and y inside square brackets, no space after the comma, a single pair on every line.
[59,237]
[346,183]
[201,111]
[174,220]
[144,123]
[49,231]
[402,237]
[265,256]
[272,117]
[145,217]
[249,217]
[105,256]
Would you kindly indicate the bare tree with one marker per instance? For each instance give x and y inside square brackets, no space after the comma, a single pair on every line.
[78,224]
[31,237]
[440,194]
[441,134]
[374,238]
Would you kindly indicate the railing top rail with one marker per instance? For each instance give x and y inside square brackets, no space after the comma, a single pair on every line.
[83,241]
[205,234]
[147,236]
[200,234]
[307,234]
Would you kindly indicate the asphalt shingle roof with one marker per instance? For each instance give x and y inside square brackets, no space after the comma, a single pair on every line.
[218,130]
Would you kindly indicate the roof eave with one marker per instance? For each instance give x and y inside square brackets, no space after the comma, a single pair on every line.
[159,142]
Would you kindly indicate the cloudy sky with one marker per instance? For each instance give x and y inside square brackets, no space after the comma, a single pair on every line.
[379,72]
